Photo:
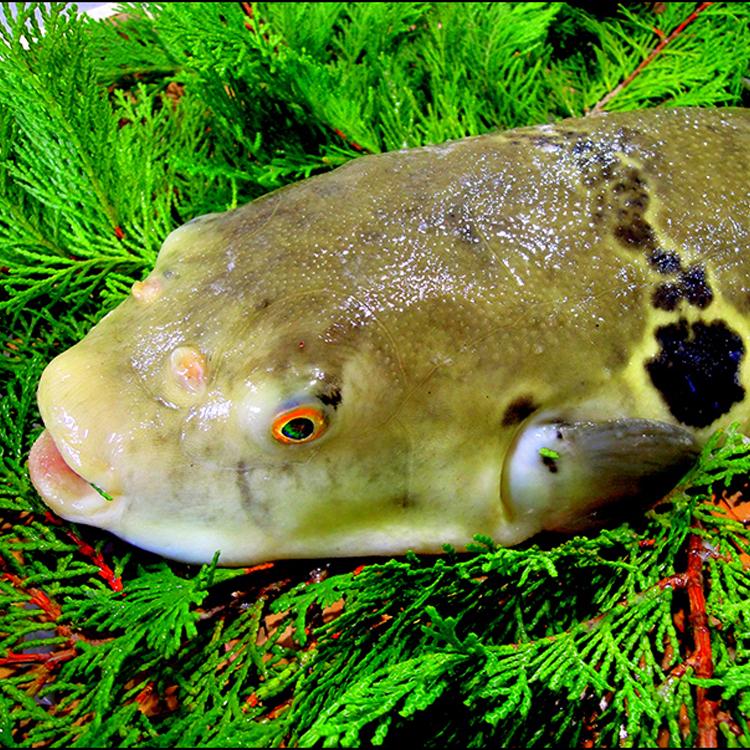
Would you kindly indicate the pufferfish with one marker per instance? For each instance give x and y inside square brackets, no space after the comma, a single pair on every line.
[500,335]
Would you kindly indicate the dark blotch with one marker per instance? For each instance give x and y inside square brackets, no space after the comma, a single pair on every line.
[697,370]
[667,296]
[403,501]
[585,147]
[518,410]
[546,141]
[596,160]
[636,233]
[331,397]
[629,200]
[692,286]
[664,262]
[550,463]
[695,288]
[631,189]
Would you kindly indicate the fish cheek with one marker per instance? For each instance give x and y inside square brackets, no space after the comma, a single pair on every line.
[339,491]
[210,435]
[352,479]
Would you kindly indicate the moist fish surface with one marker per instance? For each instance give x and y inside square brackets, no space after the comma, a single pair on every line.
[500,335]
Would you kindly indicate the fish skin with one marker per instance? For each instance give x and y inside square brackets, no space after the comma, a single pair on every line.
[434,303]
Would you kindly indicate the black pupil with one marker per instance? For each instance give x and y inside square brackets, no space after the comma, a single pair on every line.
[298,428]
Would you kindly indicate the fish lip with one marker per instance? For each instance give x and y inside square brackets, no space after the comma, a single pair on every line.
[64,489]
[60,446]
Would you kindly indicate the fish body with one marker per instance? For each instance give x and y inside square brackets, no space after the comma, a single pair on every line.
[497,335]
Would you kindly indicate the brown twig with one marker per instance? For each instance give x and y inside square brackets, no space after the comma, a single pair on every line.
[700,660]
[36,597]
[105,572]
[351,142]
[701,657]
[247,9]
[599,106]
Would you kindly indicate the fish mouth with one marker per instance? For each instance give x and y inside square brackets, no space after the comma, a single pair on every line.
[66,492]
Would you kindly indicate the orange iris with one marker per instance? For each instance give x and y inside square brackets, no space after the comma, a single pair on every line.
[299,425]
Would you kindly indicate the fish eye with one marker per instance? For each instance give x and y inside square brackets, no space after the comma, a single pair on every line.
[299,425]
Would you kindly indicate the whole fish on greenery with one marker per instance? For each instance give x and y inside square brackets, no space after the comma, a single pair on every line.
[114,133]
[498,335]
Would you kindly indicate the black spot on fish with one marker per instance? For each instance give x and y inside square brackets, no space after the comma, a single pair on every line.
[691,286]
[518,410]
[665,262]
[636,233]
[697,370]
[403,501]
[695,288]
[550,463]
[628,200]
[331,396]
[667,296]
[631,191]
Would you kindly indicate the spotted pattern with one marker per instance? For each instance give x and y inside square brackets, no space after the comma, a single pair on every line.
[331,396]
[697,368]
[629,200]
[691,285]
[664,262]
[667,296]
[695,288]
[625,200]
[623,197]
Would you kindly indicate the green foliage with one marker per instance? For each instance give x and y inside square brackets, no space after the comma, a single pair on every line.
[114,133]
[699,68]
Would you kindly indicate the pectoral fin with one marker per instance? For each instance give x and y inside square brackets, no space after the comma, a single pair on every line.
[564,472]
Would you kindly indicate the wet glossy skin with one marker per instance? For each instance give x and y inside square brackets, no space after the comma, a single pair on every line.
[431,303]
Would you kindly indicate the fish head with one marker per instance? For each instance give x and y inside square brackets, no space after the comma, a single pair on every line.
[245,409]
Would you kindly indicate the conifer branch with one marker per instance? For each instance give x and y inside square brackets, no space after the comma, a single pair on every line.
[30,80]
[657,50]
